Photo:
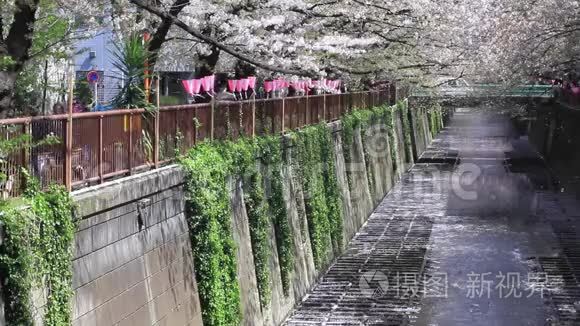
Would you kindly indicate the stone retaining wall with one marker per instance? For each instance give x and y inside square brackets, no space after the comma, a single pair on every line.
[133,263]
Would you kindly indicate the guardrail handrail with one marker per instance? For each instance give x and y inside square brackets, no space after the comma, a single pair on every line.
[113,143]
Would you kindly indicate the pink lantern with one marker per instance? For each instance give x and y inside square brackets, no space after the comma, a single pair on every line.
[188,88]
[232,85]
[245,84]
[575,90]
[192,86]
[196,86]
[252,82]
[239,85]
[207,83]
[268,86]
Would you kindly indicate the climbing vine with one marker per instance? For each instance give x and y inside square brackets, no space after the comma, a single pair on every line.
[435,117]
[358,119]
[382,115]
[257,210]
[241,156]
[333,197]
[258,163]
[270,156]
[36,255]
[208,215]
[308,158]
[432,122]
[404,107]
[222,160]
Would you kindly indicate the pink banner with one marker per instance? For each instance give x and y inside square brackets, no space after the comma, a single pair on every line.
[232,85]
[245,84]
[252,82]
[191,86]
[268,86]
[188,88]
[207,83]
[196,85]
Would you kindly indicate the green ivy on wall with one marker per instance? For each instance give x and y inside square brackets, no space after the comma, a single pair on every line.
[356,120]
[309,164]
[404,107]
[382,115]
[258,162]
[332,193]
[36,254]
[236,159]
[431,118]
[208,212]
[241,156]
[435,119]
[270,154]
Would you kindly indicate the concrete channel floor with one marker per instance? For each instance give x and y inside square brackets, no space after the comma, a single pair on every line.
[473,234]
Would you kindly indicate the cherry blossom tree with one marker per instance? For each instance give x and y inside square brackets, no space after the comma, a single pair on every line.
[410,40]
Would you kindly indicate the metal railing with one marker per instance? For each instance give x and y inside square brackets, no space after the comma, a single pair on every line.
[109,144]
[487,90]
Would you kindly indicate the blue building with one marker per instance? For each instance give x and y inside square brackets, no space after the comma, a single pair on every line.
[97,54]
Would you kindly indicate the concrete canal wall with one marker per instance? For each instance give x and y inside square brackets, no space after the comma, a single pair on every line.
[133,263]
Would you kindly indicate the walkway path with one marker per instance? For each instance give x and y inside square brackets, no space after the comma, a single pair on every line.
[472,235]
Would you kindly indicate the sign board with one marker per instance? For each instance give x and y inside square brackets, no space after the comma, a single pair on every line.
[93,77]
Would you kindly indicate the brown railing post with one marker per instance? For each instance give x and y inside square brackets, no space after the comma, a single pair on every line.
[68,137]
[101,177]
[324,118]
[253,114]
[241,131]
[25,156]
[130,147]
[156,125]
[212,117]
[177,131]
[283,115]
[307,109]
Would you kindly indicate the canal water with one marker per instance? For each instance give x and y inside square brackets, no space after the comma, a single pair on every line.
[507,241]
[483,230]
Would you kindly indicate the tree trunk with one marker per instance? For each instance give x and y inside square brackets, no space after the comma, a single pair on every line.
[7,83]
[208,62]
